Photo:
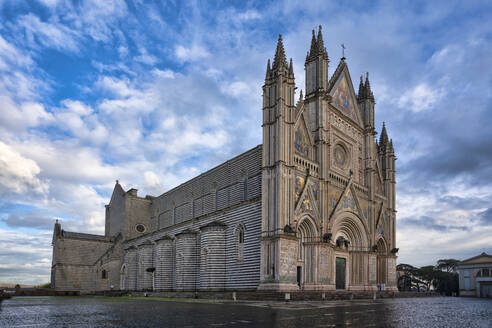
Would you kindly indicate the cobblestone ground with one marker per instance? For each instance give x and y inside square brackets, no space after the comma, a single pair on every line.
[57,312]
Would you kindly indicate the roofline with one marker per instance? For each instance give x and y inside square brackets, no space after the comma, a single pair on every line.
[211,170]
[477,256]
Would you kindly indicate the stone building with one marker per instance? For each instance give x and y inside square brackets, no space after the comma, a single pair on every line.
[475,276]
[311,208]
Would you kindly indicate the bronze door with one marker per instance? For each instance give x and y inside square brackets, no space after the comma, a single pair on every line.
[340,272]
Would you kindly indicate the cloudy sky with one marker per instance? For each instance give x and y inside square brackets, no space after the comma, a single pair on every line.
[153,94]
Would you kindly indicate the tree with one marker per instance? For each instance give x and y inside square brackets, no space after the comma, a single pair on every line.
[448,265]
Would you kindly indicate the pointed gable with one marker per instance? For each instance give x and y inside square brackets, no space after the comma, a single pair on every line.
[307,196]
[479,259]
[343,94]
[302,138]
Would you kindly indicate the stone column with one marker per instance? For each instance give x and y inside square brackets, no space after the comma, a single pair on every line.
[144,263]
[164,263]
[373,271]
[213,256]
[392,283]
[131,268]
[186,260]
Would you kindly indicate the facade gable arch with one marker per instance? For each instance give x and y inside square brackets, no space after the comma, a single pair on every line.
[382,246]
[352,228]
[307,227]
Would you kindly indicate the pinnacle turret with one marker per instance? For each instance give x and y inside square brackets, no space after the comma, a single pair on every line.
[367,87]
[280,60]
[365,91]
[291,68]
[317,47]
[268,70]
[383,139]
[321,44]
[360,95]
[314,46]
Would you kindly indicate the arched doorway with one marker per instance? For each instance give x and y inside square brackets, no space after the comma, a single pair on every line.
[382,272]
[351,248]
[123,277]
[307,234]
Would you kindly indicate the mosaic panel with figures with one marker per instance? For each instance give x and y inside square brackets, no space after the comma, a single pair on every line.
[342,98]
[301,142]
[299,186]
[333,196]
[348,202]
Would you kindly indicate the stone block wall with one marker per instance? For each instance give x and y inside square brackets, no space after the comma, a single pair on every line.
[171,256]
[213,256]
[145,261]
[164,263]
[186,260]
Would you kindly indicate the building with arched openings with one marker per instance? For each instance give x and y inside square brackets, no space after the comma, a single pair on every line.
[311,208]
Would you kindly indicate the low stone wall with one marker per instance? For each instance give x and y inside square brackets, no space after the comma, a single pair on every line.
[279,296]
[40,292]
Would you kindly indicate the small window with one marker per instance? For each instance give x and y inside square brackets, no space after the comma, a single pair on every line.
[104,274]
[140,228]
[240,242]
[486,272]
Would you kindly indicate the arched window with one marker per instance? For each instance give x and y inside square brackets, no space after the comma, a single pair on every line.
[104,274]
[240,242]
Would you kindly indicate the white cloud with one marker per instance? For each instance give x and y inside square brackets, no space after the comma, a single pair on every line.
[421,97]
[49,34]
[192,53]
[19,174]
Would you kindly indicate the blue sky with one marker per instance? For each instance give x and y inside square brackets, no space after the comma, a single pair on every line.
[153,93]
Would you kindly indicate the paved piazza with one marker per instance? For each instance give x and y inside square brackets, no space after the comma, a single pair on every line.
[124,312]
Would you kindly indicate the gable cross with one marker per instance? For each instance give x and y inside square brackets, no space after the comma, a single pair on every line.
[343,51]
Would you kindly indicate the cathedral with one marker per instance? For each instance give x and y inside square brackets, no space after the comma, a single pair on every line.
[312,208]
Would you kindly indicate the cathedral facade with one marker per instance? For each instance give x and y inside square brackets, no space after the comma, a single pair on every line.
[311,208]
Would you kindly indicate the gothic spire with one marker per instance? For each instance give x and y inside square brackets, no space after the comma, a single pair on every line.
[383,139]
[367,87]
[268,70]
[360,95]
[312,51]
[280,60]
[291,68]
[321,44]
[391,146]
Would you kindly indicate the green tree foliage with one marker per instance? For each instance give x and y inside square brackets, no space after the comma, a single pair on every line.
[448,265]
[441,277]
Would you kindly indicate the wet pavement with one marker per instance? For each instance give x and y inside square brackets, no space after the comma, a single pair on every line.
[57,312]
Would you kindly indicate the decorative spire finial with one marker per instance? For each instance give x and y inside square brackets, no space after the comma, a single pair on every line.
[367,87]
[361,93]
[280,59]
[383,140]
[268,69]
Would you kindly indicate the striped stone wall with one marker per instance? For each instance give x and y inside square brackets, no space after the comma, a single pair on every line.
[240,273]
[213,256]
[186,260]
[131,268]
[164,263]
[145,252]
